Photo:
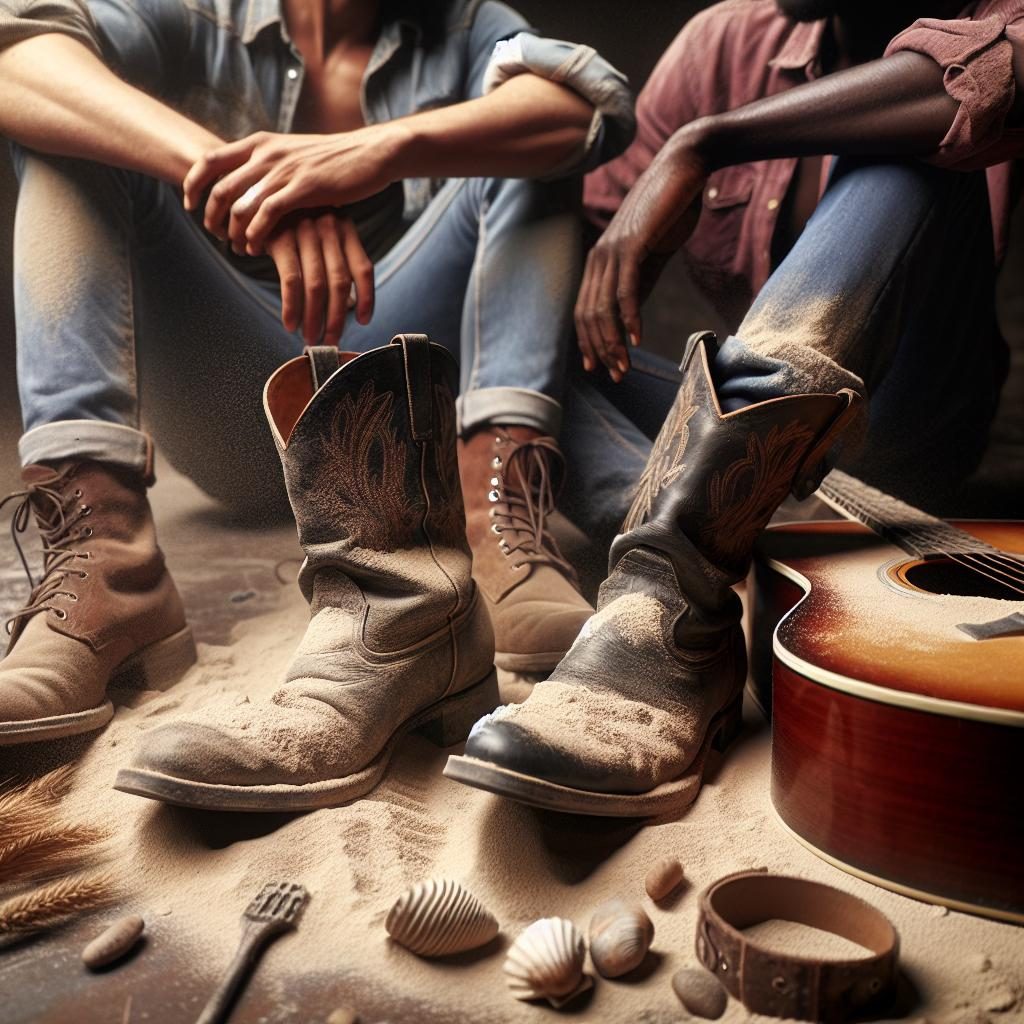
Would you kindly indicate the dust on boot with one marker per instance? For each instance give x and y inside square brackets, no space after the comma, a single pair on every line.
[105,613]
[398,639]
[623,726]
[510,479]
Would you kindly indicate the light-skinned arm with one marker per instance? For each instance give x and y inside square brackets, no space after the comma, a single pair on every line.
[527,127]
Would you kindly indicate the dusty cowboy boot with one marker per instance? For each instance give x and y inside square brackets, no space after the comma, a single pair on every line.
[399,639]
[105,613]
[623,725]
[510,477]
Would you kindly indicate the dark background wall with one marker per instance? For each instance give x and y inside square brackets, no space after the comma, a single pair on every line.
[632,36]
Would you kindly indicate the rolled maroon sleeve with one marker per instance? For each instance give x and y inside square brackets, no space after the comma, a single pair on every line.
[976,56]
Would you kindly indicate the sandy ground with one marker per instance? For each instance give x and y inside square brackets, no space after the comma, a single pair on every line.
[192,874]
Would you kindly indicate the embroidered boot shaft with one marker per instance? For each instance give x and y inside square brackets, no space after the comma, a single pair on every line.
[625,722]
[398,638]
[104,613]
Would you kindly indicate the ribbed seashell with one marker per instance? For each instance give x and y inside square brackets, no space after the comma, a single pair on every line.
[438,918]
[546,962]
[113,943]
[620,935]
[664,878]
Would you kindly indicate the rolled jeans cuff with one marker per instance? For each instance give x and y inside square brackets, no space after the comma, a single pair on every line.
[88,439]
[519,407]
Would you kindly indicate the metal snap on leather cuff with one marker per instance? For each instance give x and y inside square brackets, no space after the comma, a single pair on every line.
[779,985]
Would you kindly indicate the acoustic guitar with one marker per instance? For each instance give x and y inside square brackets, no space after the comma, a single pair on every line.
[889,650]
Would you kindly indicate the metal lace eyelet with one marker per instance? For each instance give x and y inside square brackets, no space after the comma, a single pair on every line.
[723,965]
[60,613]
[504,546]
[779,984]
[496,462]
[71,597]
[85,510]
[78,493]
[83,575]
[496,529]
[494,496]
[495,482]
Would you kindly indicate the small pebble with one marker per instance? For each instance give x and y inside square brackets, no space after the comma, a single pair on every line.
[343,1015]
[981,962]
[1001,1000]
[700,993]
[113,943]
[241,596]
[664,878]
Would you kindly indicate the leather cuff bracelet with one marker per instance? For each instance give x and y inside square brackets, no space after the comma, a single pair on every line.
[774,983]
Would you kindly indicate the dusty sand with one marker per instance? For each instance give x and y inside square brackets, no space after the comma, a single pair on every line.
[191,886]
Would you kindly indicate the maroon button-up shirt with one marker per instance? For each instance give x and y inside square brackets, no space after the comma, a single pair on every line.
[743,50]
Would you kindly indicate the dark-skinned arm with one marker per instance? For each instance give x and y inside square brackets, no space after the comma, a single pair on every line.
[897,106]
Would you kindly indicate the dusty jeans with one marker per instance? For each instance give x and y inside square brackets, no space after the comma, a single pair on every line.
[127,312]
[889,290]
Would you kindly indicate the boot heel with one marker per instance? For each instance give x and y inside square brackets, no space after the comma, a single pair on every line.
[457,715]
[730,724]
[158,666]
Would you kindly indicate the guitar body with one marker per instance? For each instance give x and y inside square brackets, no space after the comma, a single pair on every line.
[897,736]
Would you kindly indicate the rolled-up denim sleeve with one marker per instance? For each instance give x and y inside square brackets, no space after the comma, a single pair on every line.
[976,56]
[23,19]
[583,70]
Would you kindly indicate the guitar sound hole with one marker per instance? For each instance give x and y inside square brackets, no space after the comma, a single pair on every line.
[941,576]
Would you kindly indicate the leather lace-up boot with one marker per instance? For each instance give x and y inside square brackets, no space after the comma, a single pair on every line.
[510,479]
[398,638]
[624,724]
[105,613]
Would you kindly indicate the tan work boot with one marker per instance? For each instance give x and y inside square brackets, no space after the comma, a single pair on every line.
[105,613]
[510,477]
[398,640]
[624,724]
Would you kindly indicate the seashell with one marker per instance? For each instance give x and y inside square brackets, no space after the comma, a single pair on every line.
[112,944]
[438,918]
[663,878]
[620,935]
[546,962]
[700,992]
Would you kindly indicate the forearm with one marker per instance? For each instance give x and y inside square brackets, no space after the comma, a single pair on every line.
[892,107]
[526,128]
[88,112]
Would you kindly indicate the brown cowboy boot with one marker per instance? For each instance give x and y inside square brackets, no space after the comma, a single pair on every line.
[623,726]
[398,640]
[510,477]
[105,614]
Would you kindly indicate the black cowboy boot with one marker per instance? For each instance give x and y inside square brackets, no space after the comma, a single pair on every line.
[623,725]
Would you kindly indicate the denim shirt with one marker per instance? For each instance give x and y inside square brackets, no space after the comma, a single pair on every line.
[231,66]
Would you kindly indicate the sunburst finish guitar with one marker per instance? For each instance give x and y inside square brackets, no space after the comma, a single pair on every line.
[890,651]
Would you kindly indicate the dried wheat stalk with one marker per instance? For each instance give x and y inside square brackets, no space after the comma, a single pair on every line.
[27,808]
[50,904]
[47,851]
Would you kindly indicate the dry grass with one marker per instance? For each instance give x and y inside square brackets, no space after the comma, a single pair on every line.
[48,851]
[28,808]
[52,903]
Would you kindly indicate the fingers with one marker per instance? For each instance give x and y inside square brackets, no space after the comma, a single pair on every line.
[361,269]
[234,193]
[339,277]
[584,310]
[273,205]
[628,296]
[283,250]
[215,163]
[608,340]
[314,280]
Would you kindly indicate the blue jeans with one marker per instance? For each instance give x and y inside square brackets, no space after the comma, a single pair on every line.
[126,311]
[889,290]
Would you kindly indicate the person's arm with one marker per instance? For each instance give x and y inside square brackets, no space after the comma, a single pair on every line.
[897,106]
[524,128]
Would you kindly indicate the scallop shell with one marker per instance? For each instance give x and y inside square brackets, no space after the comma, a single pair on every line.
[113,943]
[664,878]
[438,918]
[620,935]
[546,962]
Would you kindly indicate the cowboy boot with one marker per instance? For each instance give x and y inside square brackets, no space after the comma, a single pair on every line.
[105,614]
[656,677]
[510,479]
[398,639]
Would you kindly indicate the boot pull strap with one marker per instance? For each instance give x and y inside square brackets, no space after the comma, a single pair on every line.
[419,388]
[324,361]
[813,468]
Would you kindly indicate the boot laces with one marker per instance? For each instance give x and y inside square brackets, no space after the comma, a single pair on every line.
[523,495]
[56,519]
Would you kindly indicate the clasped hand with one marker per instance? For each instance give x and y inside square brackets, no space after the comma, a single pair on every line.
[284,195]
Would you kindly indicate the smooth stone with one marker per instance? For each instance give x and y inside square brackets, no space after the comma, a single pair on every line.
[663,878]
[700,993]
[113,943]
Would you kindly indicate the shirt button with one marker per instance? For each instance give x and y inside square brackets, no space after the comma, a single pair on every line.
[293,74]
[712,192]
[773,204]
